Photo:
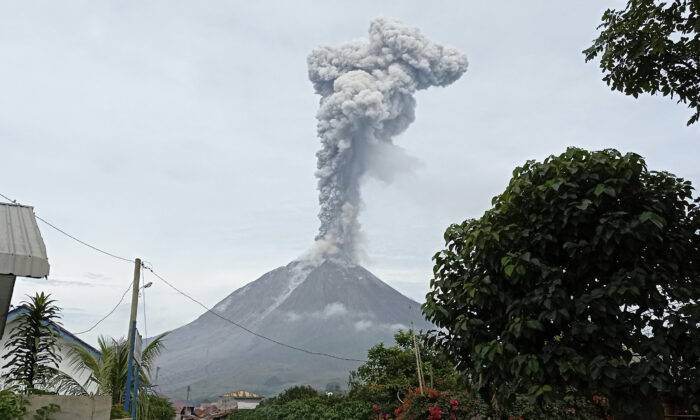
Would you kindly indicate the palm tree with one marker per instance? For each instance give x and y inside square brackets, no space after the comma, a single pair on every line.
[108,373]
[33,344]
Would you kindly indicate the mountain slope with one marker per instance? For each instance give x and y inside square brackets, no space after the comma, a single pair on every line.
[331,307]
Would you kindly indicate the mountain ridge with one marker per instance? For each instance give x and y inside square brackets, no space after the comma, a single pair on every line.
[329,306]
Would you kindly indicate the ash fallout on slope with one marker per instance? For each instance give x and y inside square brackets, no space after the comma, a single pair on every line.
[366,89]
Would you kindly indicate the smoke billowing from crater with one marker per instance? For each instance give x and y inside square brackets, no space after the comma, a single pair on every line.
[366,89]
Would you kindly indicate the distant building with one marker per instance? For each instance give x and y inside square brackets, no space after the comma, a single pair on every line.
[183,411]
[65,341]
[241,400]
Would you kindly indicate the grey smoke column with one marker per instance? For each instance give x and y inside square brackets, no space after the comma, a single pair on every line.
[366,90]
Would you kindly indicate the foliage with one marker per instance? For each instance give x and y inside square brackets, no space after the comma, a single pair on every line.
[652,46]
[154,407]
[295,393]
[434,404]
[108,372]
[390,372]
[299,403]
[117,412]
[584,274]
[12,405]
[33,356]
[46,412]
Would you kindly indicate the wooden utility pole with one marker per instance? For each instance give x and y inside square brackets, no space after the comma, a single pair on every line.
[132,339]
[134,299]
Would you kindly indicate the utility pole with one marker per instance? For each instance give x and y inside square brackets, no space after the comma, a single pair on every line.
[134,299]
[132,335]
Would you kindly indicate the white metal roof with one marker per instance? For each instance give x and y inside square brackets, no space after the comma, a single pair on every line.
[22,250]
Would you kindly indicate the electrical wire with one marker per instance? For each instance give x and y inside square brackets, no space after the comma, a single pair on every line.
[71,236]
[145,324]
[315,353]
[110,312]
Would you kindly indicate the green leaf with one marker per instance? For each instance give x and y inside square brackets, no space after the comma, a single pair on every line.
[599,189]
[584,204]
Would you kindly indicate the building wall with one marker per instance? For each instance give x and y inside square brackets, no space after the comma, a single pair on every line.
[72,407]
[248,403]
[64,366]
[227,403]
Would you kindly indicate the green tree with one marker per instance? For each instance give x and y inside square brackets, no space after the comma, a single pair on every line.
[154,407]
[13,406]
[108,371]
[652,46]
[305,403]
[299,392]
[33,356]
[584,275]
[391,372]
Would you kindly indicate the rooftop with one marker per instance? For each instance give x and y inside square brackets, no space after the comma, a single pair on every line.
[242,394]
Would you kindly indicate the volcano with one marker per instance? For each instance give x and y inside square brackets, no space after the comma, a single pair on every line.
[332,306]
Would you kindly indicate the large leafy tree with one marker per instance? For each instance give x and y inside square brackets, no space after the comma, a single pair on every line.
[652,46]
[583,277]
[33,353]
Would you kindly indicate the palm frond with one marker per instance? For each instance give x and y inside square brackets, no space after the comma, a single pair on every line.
[64,384]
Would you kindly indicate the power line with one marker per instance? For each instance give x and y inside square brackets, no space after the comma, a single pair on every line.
[315,353]
[110,312]
[182,293]
[71,236]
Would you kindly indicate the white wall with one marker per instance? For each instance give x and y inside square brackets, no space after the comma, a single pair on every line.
[64,366]
[248,404]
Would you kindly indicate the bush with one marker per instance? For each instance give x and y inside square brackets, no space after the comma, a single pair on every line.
[118,412]
[12,405]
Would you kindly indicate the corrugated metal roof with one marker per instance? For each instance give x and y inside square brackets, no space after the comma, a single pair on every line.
[22,250]
[242,394]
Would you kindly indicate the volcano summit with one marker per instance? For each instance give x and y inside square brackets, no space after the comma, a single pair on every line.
[332,307]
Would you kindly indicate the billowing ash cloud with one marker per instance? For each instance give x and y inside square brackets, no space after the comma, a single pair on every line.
[366,90]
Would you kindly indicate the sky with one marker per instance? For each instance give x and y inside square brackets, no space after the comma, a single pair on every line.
[184,133]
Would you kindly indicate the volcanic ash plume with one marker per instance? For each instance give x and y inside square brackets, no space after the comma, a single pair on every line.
[366,90]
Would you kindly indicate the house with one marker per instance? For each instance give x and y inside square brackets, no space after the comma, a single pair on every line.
[22,252]
[183,411]
[65,340]
[239,400]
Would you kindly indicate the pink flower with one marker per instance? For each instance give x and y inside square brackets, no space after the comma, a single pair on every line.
[376,407]
[435,413]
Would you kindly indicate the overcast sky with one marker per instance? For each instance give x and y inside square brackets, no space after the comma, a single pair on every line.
[184,133]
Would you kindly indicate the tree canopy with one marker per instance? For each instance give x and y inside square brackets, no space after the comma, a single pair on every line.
[33,344]
[652,46]
[584,278]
